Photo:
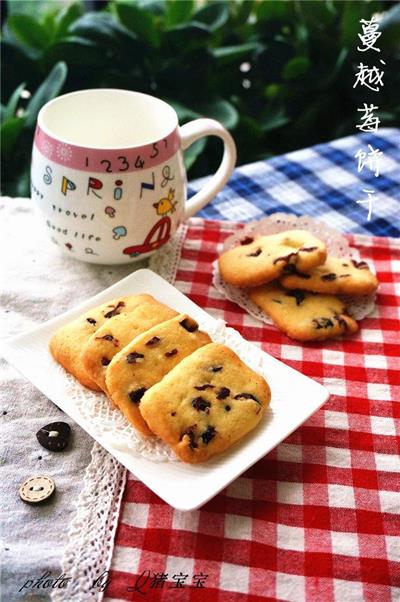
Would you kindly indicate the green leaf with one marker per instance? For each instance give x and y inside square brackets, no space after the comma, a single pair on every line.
[66,17]
[155,7]
[213,15]
[28,31]
[49,24]
[301,34]
[138,20]
[390,17]
[101,27]
[273,120]
[185,37]
[274,90]
[319,16]
[350,22]
[178,11]
[251,129]
[190,155]
[390,28]
[13,102]
[75,47]
[229,54]
[273,10]
[184,113]
[243,10]
[222,111]
[9,132]
[296,67]
[46,91]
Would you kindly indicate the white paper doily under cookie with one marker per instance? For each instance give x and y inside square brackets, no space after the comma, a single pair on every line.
[357,306]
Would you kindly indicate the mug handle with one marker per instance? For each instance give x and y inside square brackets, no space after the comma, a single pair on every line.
[192,131]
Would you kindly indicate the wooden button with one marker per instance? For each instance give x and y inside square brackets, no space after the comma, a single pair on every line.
[37,489]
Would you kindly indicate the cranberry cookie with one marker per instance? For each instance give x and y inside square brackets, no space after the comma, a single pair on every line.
[146,359]
[338,275]
[67,343]
[302,315]
[116,333]
[265,258]
[206,403]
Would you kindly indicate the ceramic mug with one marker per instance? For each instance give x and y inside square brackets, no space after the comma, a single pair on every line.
[108,173]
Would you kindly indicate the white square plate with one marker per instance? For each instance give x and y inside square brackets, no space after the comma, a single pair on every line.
[185,487]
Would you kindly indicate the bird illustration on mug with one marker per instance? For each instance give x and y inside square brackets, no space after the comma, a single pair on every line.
[167,204]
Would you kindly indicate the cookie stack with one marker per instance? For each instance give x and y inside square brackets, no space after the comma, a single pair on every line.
[164,374]
[290,277]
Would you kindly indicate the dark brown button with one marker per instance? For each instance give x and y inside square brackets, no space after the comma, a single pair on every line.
[37,489]
[54,436]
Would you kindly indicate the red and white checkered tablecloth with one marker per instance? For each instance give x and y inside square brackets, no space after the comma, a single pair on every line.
[317,519]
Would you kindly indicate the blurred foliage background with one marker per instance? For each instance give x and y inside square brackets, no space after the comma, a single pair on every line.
[278,74]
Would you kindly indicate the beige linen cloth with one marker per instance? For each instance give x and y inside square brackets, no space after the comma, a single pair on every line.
[37,283]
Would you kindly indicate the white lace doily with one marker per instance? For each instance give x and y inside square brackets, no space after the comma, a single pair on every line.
[88,553]
[165,261]
[357,306]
